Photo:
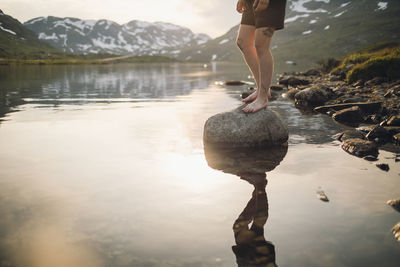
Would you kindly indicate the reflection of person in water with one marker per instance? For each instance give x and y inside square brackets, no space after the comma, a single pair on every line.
[251,248]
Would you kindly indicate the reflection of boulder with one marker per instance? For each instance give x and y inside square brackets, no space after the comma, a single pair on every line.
[238,129]
[244,161]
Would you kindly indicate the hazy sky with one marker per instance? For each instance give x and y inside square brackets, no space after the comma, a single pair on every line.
[214,17]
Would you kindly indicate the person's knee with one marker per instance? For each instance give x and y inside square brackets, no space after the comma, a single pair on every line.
[242,44]
[262,48]
[263,39]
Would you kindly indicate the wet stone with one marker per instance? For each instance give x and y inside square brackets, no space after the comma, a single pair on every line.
[383,166]
[350,134]
[360,148]
[395,203]
[396,139]
[370,158]
[394,121]
[349,115]
[233,82]
[322,196]
[396,231]
[312,72]
[379,133]
[293,81]
[291,93]
[276,87]
[311,96]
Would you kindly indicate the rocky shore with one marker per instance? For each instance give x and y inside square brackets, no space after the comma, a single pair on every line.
[371,108]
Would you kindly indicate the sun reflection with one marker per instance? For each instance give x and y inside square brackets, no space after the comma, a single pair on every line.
[191,172]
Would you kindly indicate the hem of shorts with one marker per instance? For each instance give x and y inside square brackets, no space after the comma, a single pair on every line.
[276,29]
[241,23]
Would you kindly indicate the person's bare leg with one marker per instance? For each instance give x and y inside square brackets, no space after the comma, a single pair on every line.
[245,42]
[266,66]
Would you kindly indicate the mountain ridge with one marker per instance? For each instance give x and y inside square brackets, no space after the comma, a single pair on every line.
[76,35]
[314,29]
[15,38]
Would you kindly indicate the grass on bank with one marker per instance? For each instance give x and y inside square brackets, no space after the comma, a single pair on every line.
[378,60]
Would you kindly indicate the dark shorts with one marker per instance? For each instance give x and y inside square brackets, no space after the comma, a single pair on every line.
[273,16]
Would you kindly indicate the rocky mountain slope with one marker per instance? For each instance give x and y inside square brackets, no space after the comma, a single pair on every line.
[314,29]
[15,39]
[135,37]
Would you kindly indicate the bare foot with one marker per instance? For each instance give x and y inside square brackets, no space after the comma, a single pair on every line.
[261,102]
[253,96]
[258,104]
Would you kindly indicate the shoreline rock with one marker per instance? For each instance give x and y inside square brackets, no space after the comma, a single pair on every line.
[374,102]
[360,148]
[237,129]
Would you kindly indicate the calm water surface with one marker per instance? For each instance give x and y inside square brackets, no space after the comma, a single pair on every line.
[105,166]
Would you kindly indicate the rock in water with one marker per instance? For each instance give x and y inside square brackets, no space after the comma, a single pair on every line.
[379,134]
[322,196]
[394,121]
[237,129]
[395,203]
[234,82]
[360,148]
[349,115]
[383,167]
[311,97]
[396,139]
[349,134]
[396,231]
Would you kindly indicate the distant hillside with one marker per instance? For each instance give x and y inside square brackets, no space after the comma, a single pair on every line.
[18,41]
[315,29]
[75,35]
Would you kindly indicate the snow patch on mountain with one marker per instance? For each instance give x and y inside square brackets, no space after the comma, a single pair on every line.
[344,4]
[294,18]
[224,41]
[35,20]
[339,14]
[7,30]
[381,6]
[307,32]
[298,6]
[43,36]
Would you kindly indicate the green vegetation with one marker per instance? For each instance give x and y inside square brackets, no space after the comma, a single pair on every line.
[378,60]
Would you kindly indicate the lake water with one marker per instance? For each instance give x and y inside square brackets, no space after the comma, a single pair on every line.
[105,166]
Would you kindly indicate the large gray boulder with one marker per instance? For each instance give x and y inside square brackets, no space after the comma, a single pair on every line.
[236,129]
